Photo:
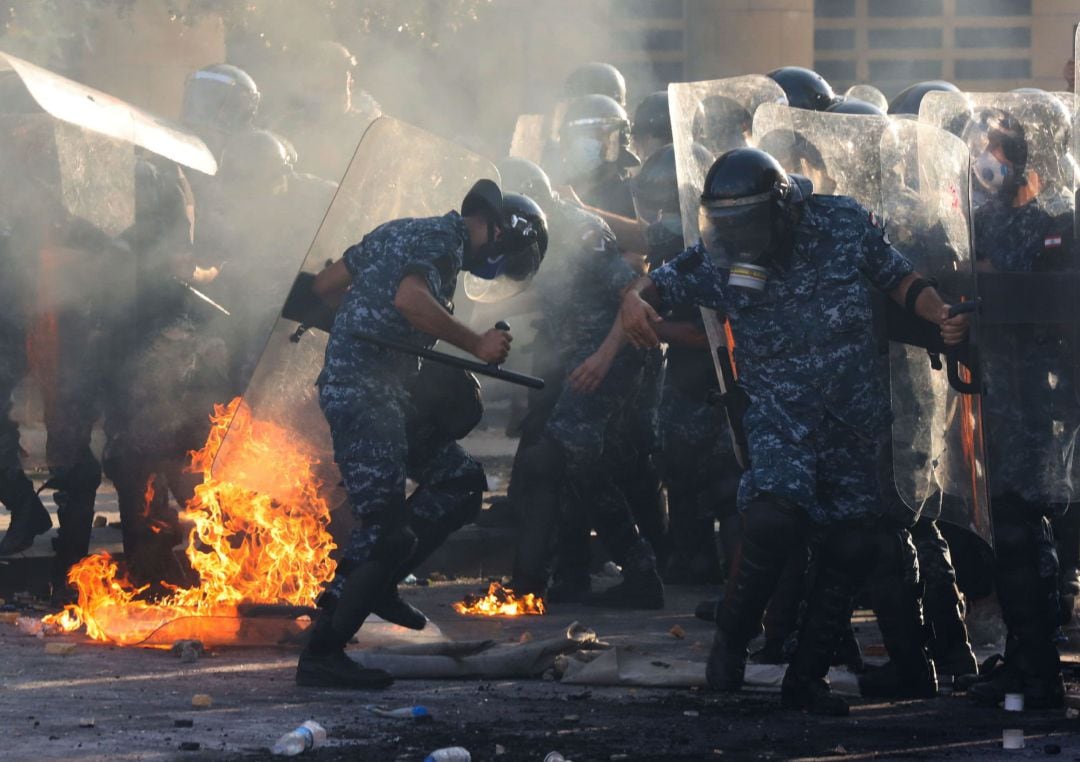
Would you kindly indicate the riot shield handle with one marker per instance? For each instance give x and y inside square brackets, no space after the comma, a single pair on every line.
[964,355]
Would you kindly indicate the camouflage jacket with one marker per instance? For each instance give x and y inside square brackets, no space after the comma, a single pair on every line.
[581,283]
[805,345]
[431,247]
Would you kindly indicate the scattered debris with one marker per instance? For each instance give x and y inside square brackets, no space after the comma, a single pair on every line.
[677,632]
[183,723]
[29,625]
[100,521]
[691,713]
[525,637]
[189,651]
[190,746]
[499,750]
[308,736]
[1052,749]
[86,722]
[9,617]
[202,700]
[450,754]
[60,649]
[1013,738]
[572,718]
[403,713]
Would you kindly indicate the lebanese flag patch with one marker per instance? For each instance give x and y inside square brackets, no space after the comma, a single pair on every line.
[1052,241]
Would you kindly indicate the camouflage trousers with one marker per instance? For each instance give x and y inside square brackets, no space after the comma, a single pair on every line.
[376,447]
[587,428]
[698,464]
[834,473]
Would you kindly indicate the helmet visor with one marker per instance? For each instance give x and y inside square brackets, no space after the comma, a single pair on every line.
[740,233]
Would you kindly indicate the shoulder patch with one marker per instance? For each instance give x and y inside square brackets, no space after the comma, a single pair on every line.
[1052,242]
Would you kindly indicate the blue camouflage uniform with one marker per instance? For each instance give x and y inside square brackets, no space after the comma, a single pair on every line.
[563,465]
[806,355]
[364,389]
[1031,419]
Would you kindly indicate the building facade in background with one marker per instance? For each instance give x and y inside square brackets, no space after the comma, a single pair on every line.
[978,44]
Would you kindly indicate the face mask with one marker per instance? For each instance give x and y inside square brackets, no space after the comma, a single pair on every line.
[990,171]
[583,156]
[664,237]
[487,261]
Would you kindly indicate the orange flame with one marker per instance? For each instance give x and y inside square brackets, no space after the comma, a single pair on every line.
[245,546]
[501,601]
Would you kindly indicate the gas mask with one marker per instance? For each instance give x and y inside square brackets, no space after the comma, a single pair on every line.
[990,172]
[740,236]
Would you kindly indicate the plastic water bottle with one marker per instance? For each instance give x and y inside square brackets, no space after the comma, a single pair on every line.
[451,754]
[307,736]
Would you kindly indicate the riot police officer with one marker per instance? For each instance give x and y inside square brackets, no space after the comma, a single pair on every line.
[696,459]
[397,283]
[788,268]
[1026,418]
[562,483]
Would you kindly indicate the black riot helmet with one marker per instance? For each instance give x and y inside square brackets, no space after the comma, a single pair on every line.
[745,212]
[854,106]
[595,132]
[523,176]
[652,124]
[910,98]
[656,185]
[256,160]
[804,88]
[597,78]
[221,97]
[505,265]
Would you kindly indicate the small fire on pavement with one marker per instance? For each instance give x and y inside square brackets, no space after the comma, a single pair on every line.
[245,547]
[501,601]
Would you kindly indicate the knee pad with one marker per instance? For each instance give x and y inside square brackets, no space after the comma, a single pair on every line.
[774,521]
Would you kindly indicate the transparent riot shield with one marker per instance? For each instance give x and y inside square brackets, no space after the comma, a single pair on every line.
[101,113]
[1024,239]
[868,94]
[716,115]
[939,460]
[397,171]
[838,152]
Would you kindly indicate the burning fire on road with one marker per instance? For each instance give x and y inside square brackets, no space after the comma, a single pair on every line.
[246,547]
[501,601]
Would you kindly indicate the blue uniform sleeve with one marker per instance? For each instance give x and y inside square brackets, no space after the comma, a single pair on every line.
[880,262]
[602,262]
[689,279]
[352,257]
[431,257]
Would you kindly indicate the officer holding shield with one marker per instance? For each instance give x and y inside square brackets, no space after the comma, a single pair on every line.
[793,273]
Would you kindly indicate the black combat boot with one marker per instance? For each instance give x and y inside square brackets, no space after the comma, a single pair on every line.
[738,613]
[324,663]
[1032,666]
[29,518]
[827,608]
[772,532]
[641,587]
[910,672]
[950,645]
